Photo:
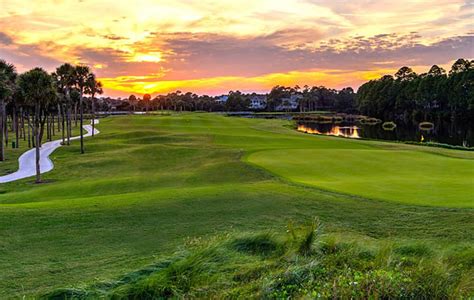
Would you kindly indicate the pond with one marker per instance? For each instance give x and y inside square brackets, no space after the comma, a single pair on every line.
[444,132]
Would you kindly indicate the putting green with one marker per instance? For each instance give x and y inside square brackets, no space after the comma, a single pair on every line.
[404,176]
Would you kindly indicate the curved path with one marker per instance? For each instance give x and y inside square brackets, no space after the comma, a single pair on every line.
[27,160]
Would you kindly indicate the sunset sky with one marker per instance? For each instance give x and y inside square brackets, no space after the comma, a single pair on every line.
[204,46]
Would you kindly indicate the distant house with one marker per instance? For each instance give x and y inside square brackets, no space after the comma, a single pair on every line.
[222,99]
[258,101]
[290,103]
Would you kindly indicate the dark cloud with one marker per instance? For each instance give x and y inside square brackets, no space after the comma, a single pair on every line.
[468,5]
[115,62]
[210,55]
[102,55]
[5,39]
[26,56]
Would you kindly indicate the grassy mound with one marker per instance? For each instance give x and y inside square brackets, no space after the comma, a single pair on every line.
[304,263]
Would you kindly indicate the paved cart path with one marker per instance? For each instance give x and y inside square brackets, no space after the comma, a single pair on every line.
[27,160]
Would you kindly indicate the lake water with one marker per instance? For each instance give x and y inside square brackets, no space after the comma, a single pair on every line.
[453,134]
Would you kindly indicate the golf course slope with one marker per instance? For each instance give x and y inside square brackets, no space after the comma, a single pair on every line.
[183,200]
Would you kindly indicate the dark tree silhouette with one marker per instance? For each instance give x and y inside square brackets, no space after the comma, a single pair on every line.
[147,99]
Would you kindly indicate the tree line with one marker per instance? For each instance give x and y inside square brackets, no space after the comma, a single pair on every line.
[35,103]
[312,98]
[176,101]
[430,96]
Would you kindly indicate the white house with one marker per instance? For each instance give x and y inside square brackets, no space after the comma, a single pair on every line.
[222,99]
[258,101]
[290,103]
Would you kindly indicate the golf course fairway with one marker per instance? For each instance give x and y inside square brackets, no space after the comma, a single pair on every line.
[147,184]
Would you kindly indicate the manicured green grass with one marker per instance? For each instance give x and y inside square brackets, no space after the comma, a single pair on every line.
[148,182]
[10,164]
[408,176]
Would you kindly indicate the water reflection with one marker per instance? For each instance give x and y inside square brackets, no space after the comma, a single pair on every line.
[345,131]
[461,134]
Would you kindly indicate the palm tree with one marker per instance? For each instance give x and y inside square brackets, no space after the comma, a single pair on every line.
[132,100]
[81,75]
[7,88]
[146,99]
[38,90]
[93,87]
[64,79]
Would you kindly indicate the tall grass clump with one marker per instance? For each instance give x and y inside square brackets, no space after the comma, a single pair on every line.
[308,237]
[304,263]
[261,244]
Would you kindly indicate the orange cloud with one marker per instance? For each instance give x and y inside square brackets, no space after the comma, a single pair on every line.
[215,85]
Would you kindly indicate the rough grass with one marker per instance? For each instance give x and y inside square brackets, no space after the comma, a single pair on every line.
[271,266]
[146,183]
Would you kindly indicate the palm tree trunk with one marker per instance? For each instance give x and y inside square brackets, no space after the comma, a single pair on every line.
[22,119]
[2,147]
[69,124]
[37,143]
[42,120]
[17,128]
[75,111]
[93,114]
[29,129]
[81,121]
[61,110]
[48,129]
[59,118]
[5,124]
[53,128]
